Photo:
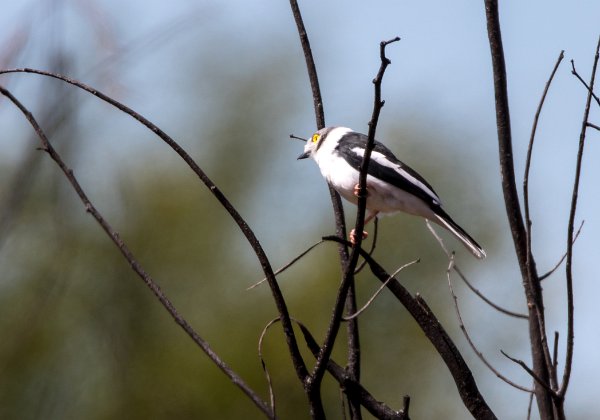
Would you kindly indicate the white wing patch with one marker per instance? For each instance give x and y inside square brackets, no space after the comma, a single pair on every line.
[380,159]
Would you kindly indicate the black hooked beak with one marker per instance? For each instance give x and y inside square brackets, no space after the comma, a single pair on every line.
[304,155]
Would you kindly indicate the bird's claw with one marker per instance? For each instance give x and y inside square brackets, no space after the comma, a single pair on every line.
[353,236]
[357,191]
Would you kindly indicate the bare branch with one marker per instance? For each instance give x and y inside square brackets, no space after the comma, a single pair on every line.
[373,245]
[486,299]
[435,333]
[533,293]
[352,388]
[336,201]
[555,355]
[529,153]
[589,124]
[292,136]
[464,278]
[569,262]
[338,209]
[135,265]
[310,65]
[348,277]
[297,360]
[463,328]
[383,286]
[529,370]
[264,365]
[288,265]
[349,386]
[529,406]
[553,269]
[590,88]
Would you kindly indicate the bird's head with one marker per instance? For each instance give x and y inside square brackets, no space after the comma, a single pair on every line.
[315,142]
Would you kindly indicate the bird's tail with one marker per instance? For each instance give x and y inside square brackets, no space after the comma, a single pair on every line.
[444,220]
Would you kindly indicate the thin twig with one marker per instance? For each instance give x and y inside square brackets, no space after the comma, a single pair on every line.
[529,370]
[553,269]
[529,154]
[569,263]
[135,265]
[298,138]
[264,365]
[464,278]
[353,389]
[342,403]
[463,328]
[589,89]
[288,265]
[589,124]
[485,298]
[379,290]
[555,355]
[530,405]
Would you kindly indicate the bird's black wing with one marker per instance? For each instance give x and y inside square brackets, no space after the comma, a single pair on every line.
[386,167]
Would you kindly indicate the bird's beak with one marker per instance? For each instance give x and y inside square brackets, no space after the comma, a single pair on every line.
[304,155]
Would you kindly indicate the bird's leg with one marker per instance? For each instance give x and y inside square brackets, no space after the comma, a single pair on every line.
[370,217]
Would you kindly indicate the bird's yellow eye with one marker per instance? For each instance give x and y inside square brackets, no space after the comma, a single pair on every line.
[315,138]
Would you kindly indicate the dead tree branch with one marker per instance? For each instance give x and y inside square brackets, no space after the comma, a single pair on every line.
[353,342]
[569,263]
[529,154]
[353,389]
[437,335]
[135,265]
[348,277]
[542,363]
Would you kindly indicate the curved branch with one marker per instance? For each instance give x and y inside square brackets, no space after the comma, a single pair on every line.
[458,271]
[530,151]
[463,328]
[553,269]
[569,264]
[135,265]
[297,360]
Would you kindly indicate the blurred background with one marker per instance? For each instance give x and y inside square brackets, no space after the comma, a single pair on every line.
[82,337]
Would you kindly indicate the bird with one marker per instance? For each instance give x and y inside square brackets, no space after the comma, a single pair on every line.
[392,186]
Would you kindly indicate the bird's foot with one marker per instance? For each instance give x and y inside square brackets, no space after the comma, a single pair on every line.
[357,190]
[353,236]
